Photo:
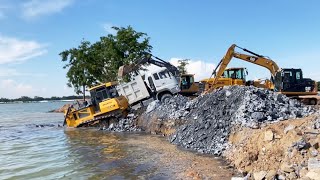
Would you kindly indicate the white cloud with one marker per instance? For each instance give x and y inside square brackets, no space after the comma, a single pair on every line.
[199,68]
[12,89]
[108,28]
[8,72]
[36,8]
[16,50]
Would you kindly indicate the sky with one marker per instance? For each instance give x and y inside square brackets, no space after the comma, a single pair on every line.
[34,32]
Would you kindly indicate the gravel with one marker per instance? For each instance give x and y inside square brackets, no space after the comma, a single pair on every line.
[124,124]
[209,118]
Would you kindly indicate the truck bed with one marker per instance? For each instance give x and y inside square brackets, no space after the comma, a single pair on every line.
[134,90]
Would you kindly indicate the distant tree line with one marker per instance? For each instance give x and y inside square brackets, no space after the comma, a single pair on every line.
[38,98]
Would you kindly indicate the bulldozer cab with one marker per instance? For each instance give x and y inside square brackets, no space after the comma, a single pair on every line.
[235,73]
[102,92]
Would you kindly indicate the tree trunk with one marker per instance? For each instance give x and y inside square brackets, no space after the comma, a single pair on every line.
[84,92]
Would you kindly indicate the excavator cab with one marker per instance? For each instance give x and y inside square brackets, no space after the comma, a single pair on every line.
[187,85]
[235,73]
[291,82]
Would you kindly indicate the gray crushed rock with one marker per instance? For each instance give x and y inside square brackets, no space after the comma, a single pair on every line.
[124,124]
[210,117]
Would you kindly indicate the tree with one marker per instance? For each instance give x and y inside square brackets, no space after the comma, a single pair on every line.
[113,51]
[79,62]
[99,62]
[183,65]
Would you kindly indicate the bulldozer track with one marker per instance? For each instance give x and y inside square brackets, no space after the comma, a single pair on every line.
[99,119]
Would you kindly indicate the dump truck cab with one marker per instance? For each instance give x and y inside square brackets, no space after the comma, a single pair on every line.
[105,104]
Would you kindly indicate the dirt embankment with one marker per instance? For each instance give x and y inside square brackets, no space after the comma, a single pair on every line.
[285,150]
[263,134]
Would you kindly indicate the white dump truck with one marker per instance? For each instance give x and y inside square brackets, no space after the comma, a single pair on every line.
[159,84]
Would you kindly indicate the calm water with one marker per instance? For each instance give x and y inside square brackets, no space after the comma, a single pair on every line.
[51,152]
[28,151]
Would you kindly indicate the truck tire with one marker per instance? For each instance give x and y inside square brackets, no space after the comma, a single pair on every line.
[165,98]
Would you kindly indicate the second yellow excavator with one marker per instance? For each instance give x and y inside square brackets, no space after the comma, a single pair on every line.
[288,81]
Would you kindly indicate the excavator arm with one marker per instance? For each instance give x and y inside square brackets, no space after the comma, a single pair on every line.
[126,69]
[254,58]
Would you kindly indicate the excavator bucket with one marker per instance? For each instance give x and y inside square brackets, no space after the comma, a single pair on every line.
[121,71]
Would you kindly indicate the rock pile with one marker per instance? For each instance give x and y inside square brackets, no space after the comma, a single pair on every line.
[210,118]
[124,124]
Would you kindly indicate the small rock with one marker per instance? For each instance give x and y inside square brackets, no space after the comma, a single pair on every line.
[303,172]
[288,128]
[314,144]
[268,135]
[228,93]
[153,105]
[292,175]
[259,175]
[238,178]
[281,177]
[313,163]
[313,174]
[314,152]
[271,174]
[286,168]
[316,124]
[301,144]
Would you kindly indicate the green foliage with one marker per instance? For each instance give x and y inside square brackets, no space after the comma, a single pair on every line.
[183,65]
[89,64]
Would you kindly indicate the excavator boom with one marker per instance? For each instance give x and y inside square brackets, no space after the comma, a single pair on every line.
[126,69]
[256,59]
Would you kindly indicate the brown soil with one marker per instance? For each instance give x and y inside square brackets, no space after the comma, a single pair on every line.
[270,148]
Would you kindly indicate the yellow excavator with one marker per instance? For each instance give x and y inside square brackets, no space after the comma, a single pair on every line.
[230,76]
[288,81]
[104,108]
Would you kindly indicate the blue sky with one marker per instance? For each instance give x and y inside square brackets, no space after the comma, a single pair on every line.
[33,32]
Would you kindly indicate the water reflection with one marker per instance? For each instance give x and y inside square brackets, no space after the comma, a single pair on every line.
[106,155]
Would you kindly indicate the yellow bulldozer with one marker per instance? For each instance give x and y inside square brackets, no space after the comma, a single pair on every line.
[104,107]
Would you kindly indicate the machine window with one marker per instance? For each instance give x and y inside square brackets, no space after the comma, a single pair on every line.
[105,95]
[232,74]
[239,74]
[298,75]
[112,92]
[163,74]
[155,75]
[191,80]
